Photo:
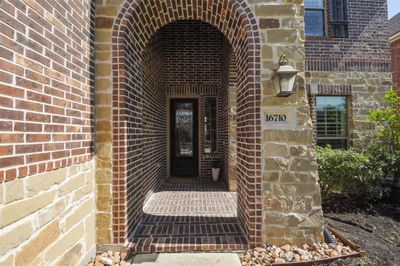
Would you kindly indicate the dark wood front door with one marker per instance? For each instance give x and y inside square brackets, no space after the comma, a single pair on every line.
[184,137]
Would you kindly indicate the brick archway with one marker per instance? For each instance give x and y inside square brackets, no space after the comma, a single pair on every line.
[134,27]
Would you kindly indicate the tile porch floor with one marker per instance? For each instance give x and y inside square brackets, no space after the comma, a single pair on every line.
[189,215]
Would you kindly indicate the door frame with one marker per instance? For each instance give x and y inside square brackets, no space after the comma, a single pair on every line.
[199,141]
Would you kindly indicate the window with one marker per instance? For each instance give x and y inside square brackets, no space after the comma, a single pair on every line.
[210,125]
[338,18]
[332,121]
[314,18]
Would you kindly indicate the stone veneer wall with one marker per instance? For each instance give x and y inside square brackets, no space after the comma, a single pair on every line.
[365,91]
[46,132]
[283,205]
[291,195]
[48,218]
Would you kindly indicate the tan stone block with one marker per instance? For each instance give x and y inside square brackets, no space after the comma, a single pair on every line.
[271,176]
[68,240]
[103,236]
[107,164]
[14,190]
[289,189]
[276,163]
[47,214]
[286,101]
[303,165]
[71,257]
[90,231]
[103,203]
[304,136]
[274,218]
[8,261]
[108,10]
[298,150]
[1,193]
[71,185]
[84,191]
[104,137]
[103,126]
[103,35]
[15,237]
[30,251]
[103,220]
[276,231]
[78,214]
[275,10]
[267,52]
[303,204]
[42,182]
[103,84]
[17,210]
[294,219]
[103,176]
[279,204]
[104,151]
[282,36]
[103,113]
[103,99]
[268,88]
[104,189]
[276,149]
[315,220]
[103,56]
[103,69]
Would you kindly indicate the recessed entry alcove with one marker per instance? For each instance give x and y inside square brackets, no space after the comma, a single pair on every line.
[185,97]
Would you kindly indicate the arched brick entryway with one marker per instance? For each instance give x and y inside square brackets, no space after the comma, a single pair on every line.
[134,27]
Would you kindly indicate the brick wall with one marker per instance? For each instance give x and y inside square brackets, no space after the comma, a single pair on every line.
[269,160]
[193,59]
[46,132]
[357,67]
[192,54]
[395,48]
[129,40]
[368,36]
[46,91]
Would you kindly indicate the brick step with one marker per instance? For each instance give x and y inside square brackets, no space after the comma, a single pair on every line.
[188,244]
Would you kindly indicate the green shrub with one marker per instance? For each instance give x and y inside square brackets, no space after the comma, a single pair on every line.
[387,120]
[349,172]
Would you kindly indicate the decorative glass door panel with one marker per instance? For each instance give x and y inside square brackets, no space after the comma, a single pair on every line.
[184,139]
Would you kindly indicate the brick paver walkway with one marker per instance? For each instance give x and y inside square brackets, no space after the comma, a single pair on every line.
[189,215]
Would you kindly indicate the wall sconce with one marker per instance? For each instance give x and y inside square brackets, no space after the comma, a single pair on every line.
[284,77]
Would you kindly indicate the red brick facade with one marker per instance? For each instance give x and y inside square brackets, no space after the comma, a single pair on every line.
[395,45]
[348,66]
[239,26]
[46,88]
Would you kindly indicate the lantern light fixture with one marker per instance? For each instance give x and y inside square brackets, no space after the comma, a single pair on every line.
[285,77]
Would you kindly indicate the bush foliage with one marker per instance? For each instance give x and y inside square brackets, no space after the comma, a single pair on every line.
[387,120]
[351,172]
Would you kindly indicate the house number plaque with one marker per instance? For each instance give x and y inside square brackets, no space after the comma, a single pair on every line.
[279,118]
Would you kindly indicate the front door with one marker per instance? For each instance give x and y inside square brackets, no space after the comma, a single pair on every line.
[184,137]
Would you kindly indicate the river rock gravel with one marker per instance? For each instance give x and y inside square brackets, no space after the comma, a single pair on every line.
[267,255]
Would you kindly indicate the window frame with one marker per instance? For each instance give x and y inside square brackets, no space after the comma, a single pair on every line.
[206,124]
[324,19]
[334,22]
[346,122]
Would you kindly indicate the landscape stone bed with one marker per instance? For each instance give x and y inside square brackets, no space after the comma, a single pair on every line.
[306,254]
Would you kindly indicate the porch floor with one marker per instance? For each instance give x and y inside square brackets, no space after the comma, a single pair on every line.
[189,215]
